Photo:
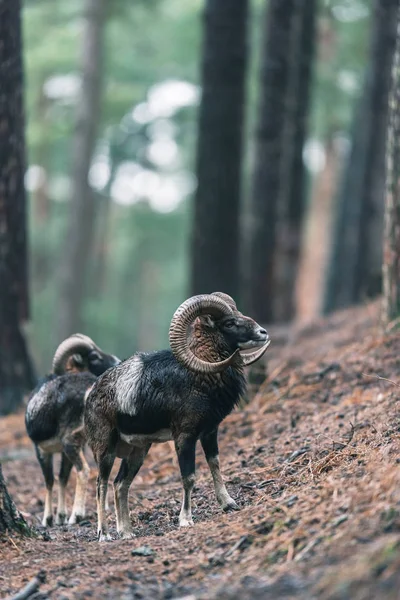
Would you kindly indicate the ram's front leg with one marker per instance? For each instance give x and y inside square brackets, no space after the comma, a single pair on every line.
[209,443]
[186,450]
[128,470]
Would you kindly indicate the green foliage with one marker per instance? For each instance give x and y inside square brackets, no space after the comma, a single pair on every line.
[343,39]
[147,42]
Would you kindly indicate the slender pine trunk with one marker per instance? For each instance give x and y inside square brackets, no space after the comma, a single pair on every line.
[356,255]
[16,372]
[266,179]
[80,229]
[391,262]
[215,232]
[293,175]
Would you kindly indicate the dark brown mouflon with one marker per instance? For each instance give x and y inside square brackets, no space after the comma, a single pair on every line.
[181,394]
[54,419]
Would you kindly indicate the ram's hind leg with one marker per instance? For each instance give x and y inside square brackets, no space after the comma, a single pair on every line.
[105,463]
[186,450]
[46,464]
[210,447]
[65,471]
[127,472]
[73,450]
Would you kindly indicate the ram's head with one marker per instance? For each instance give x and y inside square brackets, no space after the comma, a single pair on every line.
[79,353]
[217,315]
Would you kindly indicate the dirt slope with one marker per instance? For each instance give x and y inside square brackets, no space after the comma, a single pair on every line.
[313,462]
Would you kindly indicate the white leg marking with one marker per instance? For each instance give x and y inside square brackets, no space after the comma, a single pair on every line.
[78,510]
[47,520]
[102,525]
[124,525]
[185,516]
[223,498]
[61,510]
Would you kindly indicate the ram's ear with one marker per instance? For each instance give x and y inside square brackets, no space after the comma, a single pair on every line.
[75,363]
[205,322]
[94,356]
[78,359]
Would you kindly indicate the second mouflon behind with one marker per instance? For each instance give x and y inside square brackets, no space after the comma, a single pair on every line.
[181,394]
[54,420]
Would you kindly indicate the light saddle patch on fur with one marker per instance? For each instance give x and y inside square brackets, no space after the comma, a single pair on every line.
[126,386]
[38,401]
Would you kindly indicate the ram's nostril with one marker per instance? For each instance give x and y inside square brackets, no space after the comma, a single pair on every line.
[263,331]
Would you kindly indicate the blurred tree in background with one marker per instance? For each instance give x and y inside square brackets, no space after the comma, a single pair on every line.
[260,192]
[140,173]
[16,374]
[355,267]
[292,171]
[391,264]
[215,228]
[269,148]
[80,228]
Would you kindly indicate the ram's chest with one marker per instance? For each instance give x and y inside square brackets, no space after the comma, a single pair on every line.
[129,441]
[51,446]
[158,437]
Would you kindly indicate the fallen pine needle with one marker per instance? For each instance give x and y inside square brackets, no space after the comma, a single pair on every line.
[14,544]
[382,378]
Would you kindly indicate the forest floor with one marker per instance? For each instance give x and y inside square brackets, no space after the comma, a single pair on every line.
[313,462]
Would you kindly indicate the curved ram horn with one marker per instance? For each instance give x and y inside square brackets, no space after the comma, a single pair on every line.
[228,299]
[74,344]
[252,357]
[205,304]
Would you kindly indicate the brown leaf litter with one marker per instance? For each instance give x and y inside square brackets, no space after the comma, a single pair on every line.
[312,461]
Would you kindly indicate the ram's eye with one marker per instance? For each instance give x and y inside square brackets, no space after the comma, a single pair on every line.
[229,324]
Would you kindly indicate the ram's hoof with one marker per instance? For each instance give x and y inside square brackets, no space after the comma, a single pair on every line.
[186,523]
[126,535]
[75,518]
[103,537]
[47,521]
[230,505]
[61,518]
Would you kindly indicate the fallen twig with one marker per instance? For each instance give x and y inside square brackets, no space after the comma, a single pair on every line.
[31,588]
[306,549]
[245,539]
[14,544]
[382,378]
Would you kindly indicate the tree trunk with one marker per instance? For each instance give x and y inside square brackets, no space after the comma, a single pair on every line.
[293,175]
[317,239]
[16,374]
[40,199]
[369,272]
[266,184]
[357,250]
[10,518]
[391,264]
[215,234]
[80,228]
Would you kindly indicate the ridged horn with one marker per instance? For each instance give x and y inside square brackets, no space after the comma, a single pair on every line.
[74,344]
[230,301]
[252,357]
[186,313]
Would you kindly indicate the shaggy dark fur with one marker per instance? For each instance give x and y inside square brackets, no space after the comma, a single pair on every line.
[56,406]
[153,398]
[54,422]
